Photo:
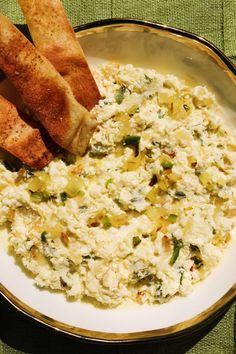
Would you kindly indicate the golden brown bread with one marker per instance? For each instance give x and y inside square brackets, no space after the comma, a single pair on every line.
[20,139]
[53,35]
[43,90]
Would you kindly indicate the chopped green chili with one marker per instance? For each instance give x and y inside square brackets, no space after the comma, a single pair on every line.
[98,151]
[180,194]
[120,94]
[38,197]
[153,181]
[178,244]
[172,217]
[148,79]
[69,158]
[132,141]
[186,107]
[197,261]
[194,248]
[106,222]
[109,181]
[63,196]
[136,241]
[43,236]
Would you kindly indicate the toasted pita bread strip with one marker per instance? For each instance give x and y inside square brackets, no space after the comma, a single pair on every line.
[44,91]
[53,35]
[20,139]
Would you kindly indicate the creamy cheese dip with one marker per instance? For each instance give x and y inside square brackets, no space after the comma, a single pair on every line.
[149,210]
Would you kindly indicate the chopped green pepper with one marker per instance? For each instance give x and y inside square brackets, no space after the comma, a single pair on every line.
[166,162]
[63,196]
[197,261]
[194,248]
[69,158]
[180,194]
[132,141]
[153,181]
[186,107]
[98,151]
[120,94]
[109,181]
[178,244]
[38,197]
[149,153]
[106,222]
[148,79]
[136,241]
[172,217]
[167,165]
[72,266]
[43,237]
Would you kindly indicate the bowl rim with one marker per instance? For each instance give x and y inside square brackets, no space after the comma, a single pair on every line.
[158,26]
[180,329]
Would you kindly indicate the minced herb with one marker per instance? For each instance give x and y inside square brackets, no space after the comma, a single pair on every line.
[159,289]
[181,277]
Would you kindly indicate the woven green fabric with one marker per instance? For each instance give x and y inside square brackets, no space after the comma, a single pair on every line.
[212,19]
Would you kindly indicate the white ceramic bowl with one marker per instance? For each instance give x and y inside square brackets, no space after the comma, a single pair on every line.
[168,50]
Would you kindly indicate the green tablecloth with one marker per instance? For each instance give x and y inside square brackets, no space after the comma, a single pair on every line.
[212,19]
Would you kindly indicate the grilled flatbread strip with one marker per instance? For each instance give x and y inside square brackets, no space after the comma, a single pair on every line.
[53,35]
[43,90]
[20,139]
